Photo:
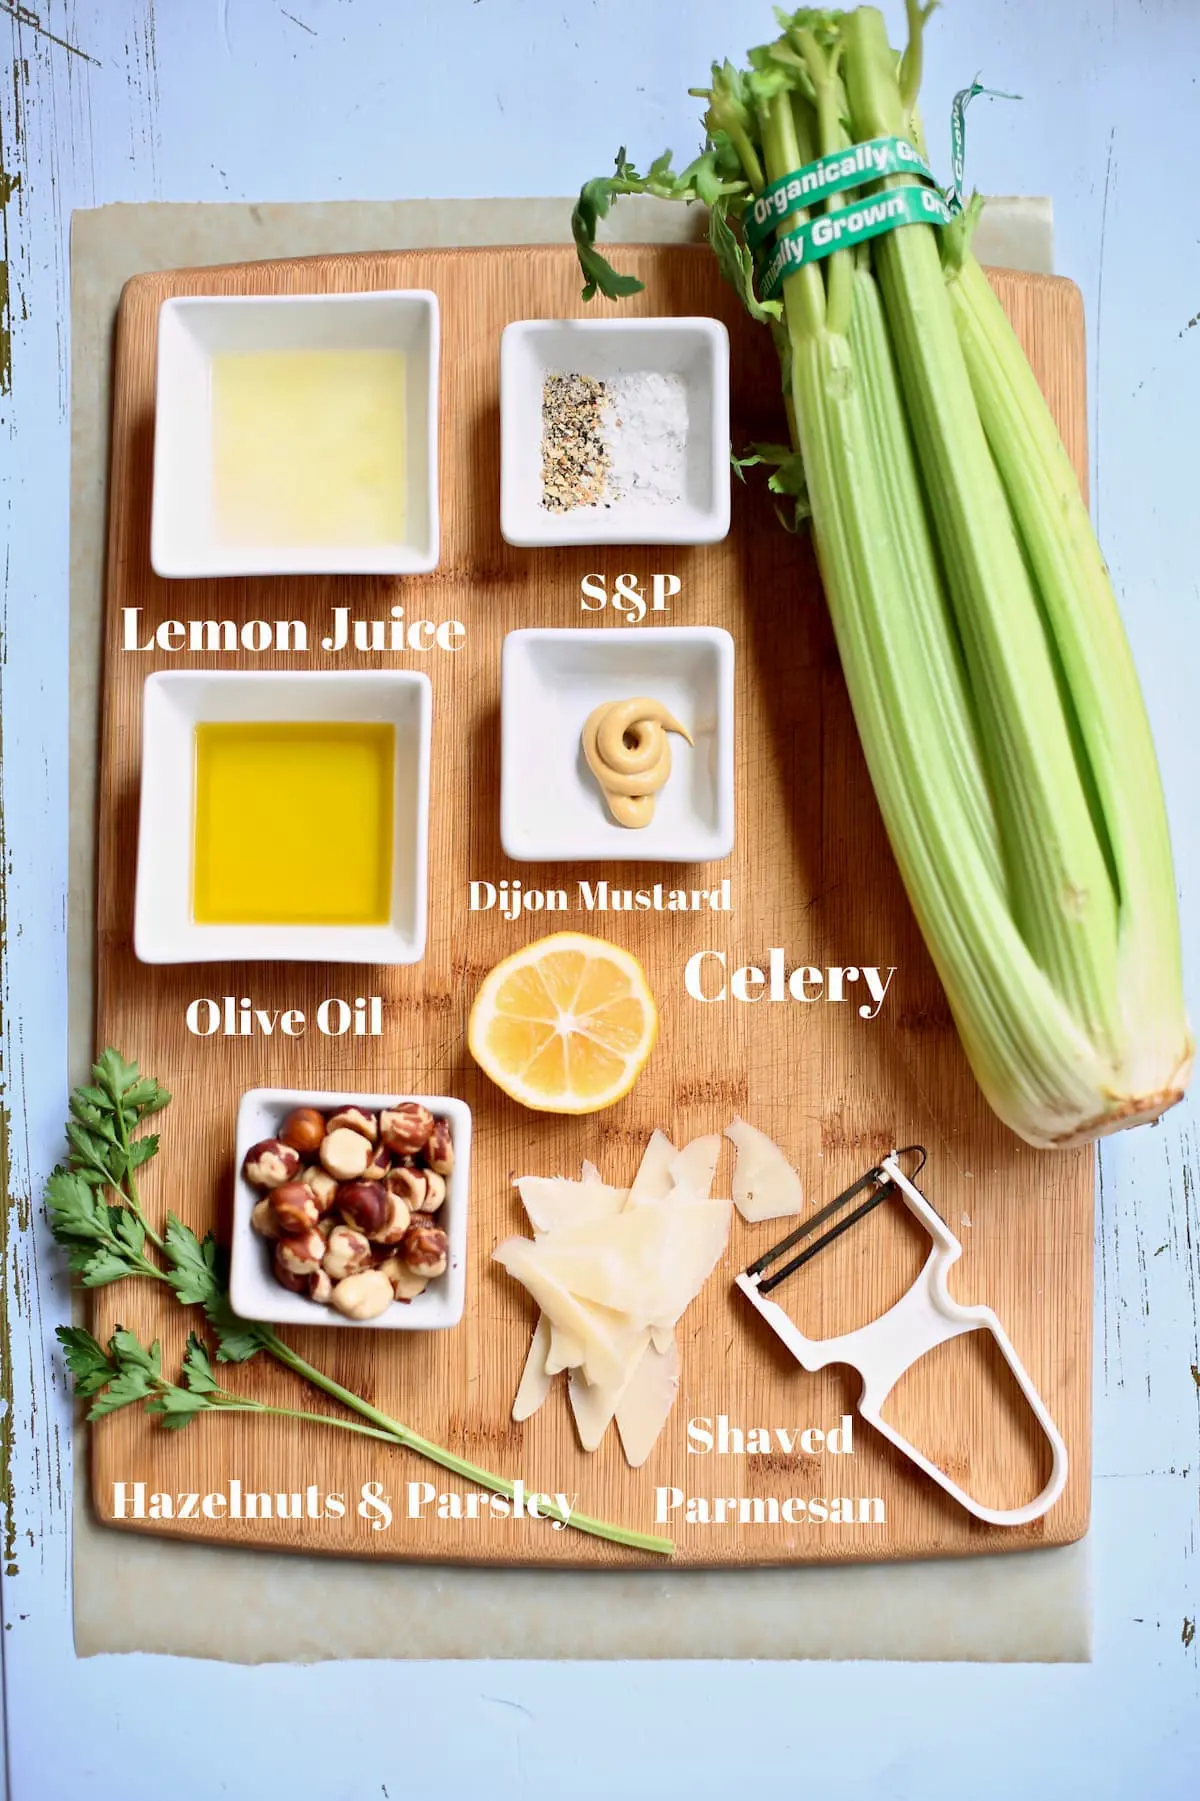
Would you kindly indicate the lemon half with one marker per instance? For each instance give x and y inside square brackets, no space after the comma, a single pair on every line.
[565,1025]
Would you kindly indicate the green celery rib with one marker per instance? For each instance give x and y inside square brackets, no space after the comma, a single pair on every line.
[927,636]
[904,673]
[1084,621]
[1058,878]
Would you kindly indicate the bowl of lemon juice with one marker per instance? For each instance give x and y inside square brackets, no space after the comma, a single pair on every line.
[296,434]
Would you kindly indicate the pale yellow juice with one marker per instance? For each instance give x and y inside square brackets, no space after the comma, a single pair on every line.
[308,446]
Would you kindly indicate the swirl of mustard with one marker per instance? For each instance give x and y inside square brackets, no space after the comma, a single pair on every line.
[625,743]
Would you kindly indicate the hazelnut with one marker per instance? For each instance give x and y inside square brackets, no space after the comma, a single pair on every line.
[300,1256]
[320,1288]
[323,1185]
[378,1167]
[263,1219]
[304,1129]
[405,1128]
[439,1152]
[345,1153]
[363,1204]
[408,1185]
[364,1296]
[396,1222]
[346,1253]
[435,1191]
[326,1224]
[295,1208]
[285,1279]
[354,1119]
[269,1164]
[426,1250]
[406,1283]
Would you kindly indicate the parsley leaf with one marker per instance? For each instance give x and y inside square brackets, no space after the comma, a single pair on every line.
[193,1272]
[177,1407]
[103,1267]
[197,1367]
[237,1339]
[129,1385]
[86,1359]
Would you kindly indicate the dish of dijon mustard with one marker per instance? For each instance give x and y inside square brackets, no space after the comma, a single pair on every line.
[625,743]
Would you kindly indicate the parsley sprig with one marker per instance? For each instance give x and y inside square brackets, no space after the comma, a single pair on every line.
[97,1217]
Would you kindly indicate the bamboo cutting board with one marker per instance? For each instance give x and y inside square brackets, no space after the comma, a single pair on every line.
[811,874]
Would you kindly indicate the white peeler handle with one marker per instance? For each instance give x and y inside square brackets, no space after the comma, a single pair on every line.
[885,1350]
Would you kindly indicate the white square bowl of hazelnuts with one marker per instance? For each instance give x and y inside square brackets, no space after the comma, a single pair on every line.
[350,1209]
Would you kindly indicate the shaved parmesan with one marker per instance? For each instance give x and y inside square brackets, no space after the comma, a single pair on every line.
[644,1408]
[765,1186]
[613,1270]
[653,1180]
[647,1264]
[604,1341]
[554,1201]
[594,1404]
[535,1379]
[695,1166]
[566,1350]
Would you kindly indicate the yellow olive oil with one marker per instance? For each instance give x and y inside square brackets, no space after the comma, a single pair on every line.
[293,823]
[308,446]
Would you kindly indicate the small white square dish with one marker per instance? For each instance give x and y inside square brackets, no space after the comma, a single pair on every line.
[192,825]
[296,434]
[253,1289]
[551,806]
[656,426]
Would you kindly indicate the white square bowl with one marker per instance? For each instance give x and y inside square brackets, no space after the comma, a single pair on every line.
[696,349]
[174,702]
[253,1290]
[192,330]
[551,807]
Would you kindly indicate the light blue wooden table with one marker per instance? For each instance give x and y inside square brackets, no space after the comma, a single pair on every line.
[104,100]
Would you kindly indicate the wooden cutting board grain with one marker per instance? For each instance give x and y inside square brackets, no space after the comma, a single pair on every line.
[811,873]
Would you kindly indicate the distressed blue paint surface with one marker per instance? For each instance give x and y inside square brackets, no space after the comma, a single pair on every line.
[242,99]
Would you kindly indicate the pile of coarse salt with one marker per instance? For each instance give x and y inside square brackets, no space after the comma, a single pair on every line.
[645,432]
[620,439]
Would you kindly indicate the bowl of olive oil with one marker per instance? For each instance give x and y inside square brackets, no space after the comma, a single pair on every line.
[283,816]
[296,434]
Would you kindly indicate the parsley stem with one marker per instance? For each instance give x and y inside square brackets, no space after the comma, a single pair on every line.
[128,1189]
[392,1430]
[130,1196]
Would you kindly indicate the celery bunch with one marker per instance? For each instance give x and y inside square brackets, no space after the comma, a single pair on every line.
[989,673]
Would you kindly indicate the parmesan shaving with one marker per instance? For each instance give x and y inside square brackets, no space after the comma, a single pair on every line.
[644,1407]
[594,1405]
[613,1270]
[535,1379]
[554,1201]
[653,1180]
[765,1186]
[695,1166]
[566,1350]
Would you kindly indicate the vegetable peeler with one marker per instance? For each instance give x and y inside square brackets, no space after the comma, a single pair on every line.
[922,1319]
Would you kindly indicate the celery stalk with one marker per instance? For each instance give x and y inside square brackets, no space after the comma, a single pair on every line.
[983,653]
[1060,885]
[907,679]
[1106,701]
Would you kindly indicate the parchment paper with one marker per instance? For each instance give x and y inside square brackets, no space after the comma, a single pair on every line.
[139,1593]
